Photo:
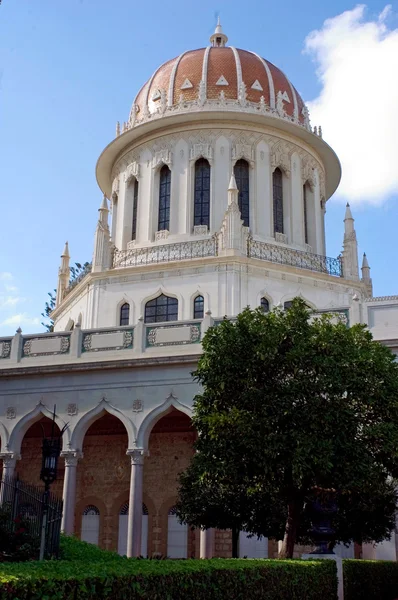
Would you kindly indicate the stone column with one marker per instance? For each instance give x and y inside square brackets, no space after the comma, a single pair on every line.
[9,462]
[206,543]
[134,530]
[69,491]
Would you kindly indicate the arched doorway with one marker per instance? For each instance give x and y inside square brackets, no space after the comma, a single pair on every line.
[170,451]
[104,473]
[123,525]
[29,467]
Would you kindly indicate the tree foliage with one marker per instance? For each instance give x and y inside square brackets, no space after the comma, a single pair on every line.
[77,272]
[290,403]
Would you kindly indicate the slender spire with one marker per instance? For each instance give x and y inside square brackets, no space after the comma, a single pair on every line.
[65,253]
[232,183]
[218,39]
[365,264]
[348,213]
[366,278]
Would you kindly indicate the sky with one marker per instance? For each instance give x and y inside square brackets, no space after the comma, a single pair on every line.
[70,70]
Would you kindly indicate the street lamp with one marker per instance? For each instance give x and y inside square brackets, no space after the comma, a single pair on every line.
[51,450]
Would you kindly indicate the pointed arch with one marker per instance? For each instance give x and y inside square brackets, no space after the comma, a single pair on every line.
[155,415]
[242,178]
[161,290]
[277,196]
[164,198]
[286,302]
[103,407]
[202,187]
[29,419]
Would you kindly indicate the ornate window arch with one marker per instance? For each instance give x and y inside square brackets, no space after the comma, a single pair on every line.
[277,195]
[164,198]
[124,317]
[198,307]
[90,510]
[242,177]
[201,215]
[160,309]
[264,304]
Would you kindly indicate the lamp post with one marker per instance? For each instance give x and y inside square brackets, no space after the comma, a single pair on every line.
[51,450]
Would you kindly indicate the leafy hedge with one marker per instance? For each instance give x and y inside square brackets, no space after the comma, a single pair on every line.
[88,573]
[370,580]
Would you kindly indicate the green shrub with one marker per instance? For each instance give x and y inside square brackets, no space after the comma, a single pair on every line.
[370,580]
[88,573]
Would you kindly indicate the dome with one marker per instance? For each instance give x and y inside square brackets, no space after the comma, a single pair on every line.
[220,77]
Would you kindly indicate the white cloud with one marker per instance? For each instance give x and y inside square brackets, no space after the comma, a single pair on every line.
[10,301]
[5,275]
[21,319]
[357,66]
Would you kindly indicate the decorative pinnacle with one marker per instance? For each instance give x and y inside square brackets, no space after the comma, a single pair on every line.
[218,38]
[104,204]
[232,184]
[66,251]
[365,264]
[348,213]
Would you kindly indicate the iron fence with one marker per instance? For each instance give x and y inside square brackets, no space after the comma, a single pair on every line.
[165,253]
[32,503]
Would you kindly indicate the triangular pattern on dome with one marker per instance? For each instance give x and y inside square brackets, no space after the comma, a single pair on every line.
[257,86]
[156,95]
[222,81]
[285,97]
[186,85]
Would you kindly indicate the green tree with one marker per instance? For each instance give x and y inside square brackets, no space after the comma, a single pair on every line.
[291,403]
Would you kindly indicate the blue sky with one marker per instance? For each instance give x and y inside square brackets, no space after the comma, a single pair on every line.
[70,70]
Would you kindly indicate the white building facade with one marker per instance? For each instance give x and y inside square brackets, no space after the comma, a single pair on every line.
[215,193]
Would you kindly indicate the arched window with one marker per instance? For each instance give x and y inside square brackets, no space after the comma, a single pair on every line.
[135,207]
[177,536]
[287,304]
[305,213]
[124,314]
[162,308]
[241,172]
[90,524]
[198,307]
[164,198]
[201,214]
[264,304]
[278,200]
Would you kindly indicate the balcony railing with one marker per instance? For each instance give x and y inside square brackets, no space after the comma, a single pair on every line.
[295,258]
[165,253]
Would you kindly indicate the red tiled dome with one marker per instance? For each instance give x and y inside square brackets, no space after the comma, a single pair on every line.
[222,69]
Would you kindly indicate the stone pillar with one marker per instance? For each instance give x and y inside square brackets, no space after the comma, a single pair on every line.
[134,530]
[69,491]
[206,543]
[9,461]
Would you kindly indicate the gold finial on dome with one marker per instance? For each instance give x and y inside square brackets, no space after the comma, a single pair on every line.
[218,39]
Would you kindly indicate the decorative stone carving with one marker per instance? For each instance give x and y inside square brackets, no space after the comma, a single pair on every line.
[72,409]
[257,86]
[202,93]
[281,237]
[163,234]
[138,405]
[132,172]
[242,94]
[241,150]
[280,157]
[186,85]
[307,172]
[136,456]
[5,349]
[201,150]
[306,114]
[163,101]
[308,248]
[11,412]
[107,340]
[46,346]
[71,457]
[280,100]
[200,230]
[162,157]
[172,335]
[222,98]
[115,187]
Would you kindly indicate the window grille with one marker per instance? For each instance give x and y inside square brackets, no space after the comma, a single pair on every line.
[164,198]
[277,200]
[241,172]
[162,308]
[135,207]
[202,193]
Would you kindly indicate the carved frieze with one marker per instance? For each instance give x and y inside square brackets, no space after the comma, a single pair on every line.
[132,172]
[201,150]
[5,349]
[162,157]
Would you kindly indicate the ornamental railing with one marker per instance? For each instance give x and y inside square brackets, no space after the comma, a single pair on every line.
[87,269]
[165,253]
[294,258]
